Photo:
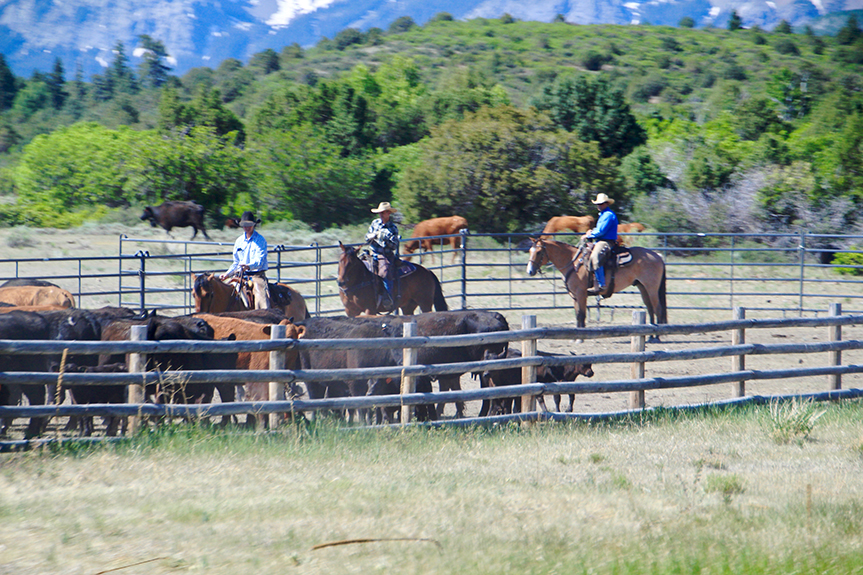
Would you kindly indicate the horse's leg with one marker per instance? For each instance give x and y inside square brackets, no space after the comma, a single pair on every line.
[651,301]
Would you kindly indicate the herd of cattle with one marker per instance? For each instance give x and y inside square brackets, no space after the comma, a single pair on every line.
[25,315]
[38,310]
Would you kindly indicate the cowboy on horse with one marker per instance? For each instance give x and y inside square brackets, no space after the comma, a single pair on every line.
[383,239]
[250,258]
[605,236]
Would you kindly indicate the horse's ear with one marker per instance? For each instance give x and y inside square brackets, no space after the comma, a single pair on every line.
[301,331]
[341,245]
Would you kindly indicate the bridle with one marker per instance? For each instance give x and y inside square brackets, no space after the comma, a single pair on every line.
[344,287]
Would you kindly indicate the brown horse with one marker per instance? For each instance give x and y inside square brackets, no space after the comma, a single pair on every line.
[578,224]
[646,272]
[436,227]
[358,288]
[630,228]
[212,295]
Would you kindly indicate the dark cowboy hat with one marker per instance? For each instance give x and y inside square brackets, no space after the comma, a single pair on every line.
[248,219]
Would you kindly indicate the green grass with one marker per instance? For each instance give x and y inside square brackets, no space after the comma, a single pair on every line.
[706,492]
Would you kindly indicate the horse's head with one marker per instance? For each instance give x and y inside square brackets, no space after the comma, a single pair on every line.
[538,256]
[203,292]
[348,262]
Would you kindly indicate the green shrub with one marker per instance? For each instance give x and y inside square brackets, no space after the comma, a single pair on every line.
[849,259]
[726,485]
[792,421]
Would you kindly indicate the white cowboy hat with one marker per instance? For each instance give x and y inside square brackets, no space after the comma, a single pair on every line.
[383,207]
[602,199]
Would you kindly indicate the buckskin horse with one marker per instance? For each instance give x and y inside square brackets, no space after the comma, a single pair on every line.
[359,287]
[212,295]
[646,271]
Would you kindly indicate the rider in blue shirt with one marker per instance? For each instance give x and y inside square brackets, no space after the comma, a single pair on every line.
[605,236]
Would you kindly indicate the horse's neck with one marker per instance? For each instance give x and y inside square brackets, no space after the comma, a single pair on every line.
[561,255]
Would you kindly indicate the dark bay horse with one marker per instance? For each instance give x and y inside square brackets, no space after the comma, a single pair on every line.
[358,288]
[212,295]
[646,272]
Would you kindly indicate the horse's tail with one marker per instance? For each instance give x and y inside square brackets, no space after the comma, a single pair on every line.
[439,300]
[663,311]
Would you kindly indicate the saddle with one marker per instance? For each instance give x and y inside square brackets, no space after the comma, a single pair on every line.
[619,257]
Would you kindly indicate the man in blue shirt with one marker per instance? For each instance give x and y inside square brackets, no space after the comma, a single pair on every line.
[250,256]
[383,238]
[605,236]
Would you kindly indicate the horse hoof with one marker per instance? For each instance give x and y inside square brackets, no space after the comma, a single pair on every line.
[653,339]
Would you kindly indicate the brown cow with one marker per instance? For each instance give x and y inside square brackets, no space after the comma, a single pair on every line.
[224,327]
[37,296]
[578,224]
[630,228]
[436,227]
[176,215]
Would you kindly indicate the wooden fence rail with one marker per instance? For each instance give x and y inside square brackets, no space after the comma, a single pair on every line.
[408,372]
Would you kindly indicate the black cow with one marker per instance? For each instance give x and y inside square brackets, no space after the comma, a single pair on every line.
[22,325]
[160,329]
[512,376]
[456,323]
[176,215]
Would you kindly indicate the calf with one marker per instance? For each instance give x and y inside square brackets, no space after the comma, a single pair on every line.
[512,376]
[171,215]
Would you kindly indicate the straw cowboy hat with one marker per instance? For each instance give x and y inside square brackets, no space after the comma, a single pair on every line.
[248,219]
[383,207]
[602,199]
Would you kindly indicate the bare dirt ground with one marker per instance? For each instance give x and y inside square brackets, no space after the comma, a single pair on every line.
[20,243]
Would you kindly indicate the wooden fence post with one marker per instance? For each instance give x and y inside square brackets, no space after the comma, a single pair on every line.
[528,372]
[738,362]
[277,361]
[636,398]
[137,364]
[835,379]
[409,382]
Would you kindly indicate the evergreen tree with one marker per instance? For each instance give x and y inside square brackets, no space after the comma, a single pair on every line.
[8,88]
[596,110]
[122,79]
[734,22]
[850,32]
[154,71]
[686,22]
[783,28]
[56,82]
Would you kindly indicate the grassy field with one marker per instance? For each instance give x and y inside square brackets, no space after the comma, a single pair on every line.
[712,492]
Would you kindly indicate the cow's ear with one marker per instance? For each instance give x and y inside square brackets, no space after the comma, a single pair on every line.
[152,324]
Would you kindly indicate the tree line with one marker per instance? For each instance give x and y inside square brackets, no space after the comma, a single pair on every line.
[765,139]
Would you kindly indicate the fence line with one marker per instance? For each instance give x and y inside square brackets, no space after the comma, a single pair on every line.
[529,388]
[489,267]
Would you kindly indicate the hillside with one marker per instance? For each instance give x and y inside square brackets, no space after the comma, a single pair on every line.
[691,129]
[204,32]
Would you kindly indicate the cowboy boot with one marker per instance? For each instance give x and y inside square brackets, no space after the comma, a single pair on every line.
[599,286]
[387,303]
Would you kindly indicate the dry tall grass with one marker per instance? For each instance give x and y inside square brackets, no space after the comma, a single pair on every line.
[706,493]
